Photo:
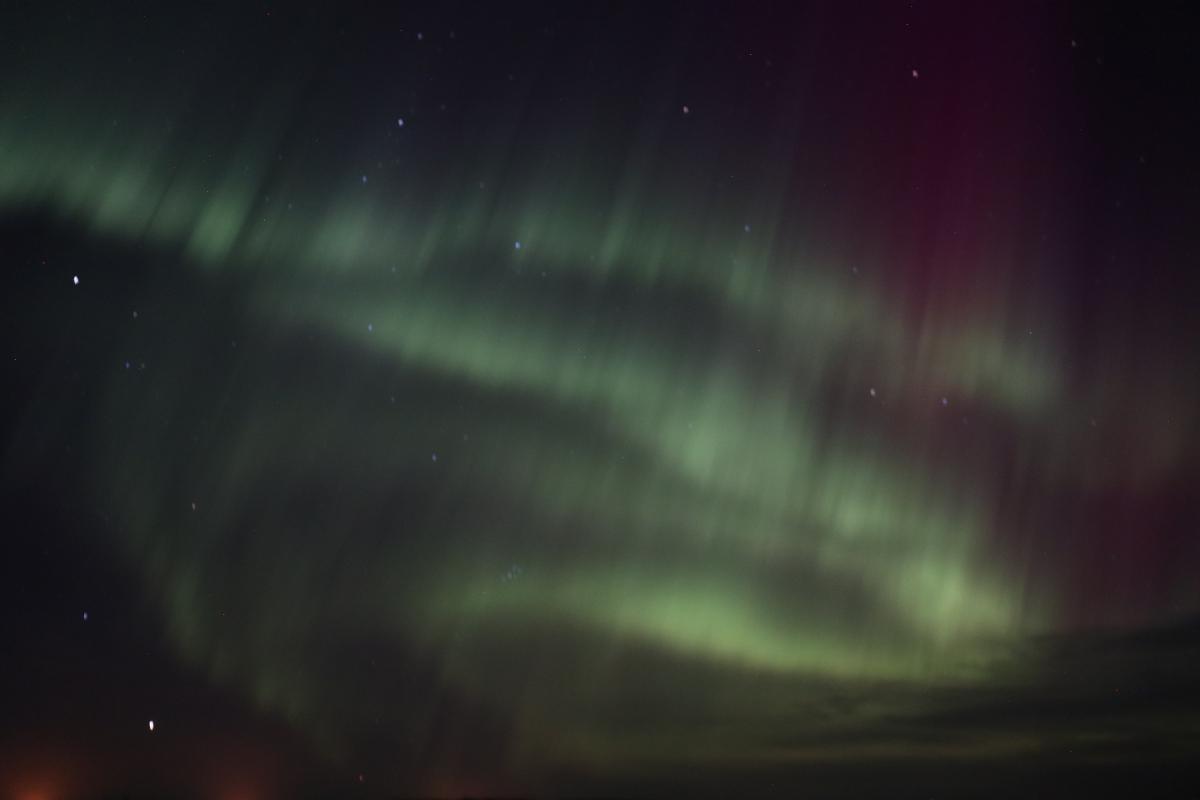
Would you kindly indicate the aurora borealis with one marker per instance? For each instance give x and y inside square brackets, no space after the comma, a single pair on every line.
[615,400]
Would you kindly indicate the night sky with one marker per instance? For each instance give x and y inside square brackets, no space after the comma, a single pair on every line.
[599,399]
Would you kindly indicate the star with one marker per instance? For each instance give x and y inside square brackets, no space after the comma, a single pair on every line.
[75,280]
[400,122]
[687,110]
[516,245]
[151,725]
[916,74]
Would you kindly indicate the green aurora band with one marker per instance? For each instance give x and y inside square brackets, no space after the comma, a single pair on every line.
[643,448]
